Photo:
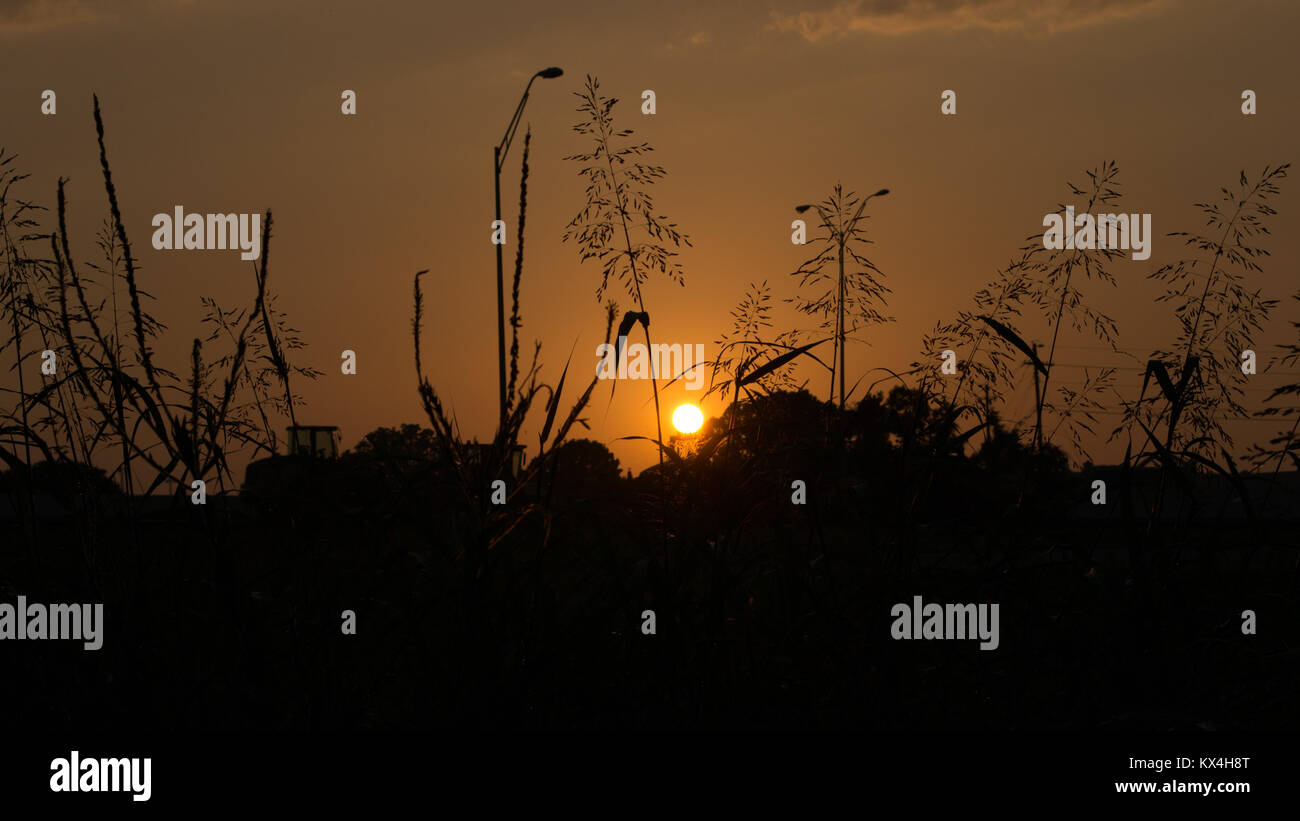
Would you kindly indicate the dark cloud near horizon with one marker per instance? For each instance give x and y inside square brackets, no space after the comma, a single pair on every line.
[897,17]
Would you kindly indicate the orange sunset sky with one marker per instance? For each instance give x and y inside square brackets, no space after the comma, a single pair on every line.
[234,107]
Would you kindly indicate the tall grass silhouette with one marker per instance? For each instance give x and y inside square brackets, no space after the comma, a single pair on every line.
[844,300]
[477,467]
[1219,305]
[109,390]
[770,553]
[618,226]
[989,344]
[1285,444]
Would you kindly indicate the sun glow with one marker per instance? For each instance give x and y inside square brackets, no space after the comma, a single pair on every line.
[687,418]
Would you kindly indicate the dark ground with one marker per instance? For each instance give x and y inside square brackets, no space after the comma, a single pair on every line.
[769,615]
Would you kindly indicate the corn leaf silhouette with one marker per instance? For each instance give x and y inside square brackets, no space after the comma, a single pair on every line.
[772,364]
[629,319]
[1014,338]
[625,324]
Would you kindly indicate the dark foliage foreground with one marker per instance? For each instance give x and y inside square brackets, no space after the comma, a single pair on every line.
[769,614]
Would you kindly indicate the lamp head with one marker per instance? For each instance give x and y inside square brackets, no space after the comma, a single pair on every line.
[550,73]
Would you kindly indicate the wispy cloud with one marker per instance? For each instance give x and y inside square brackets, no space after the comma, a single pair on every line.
[898,17]
[18,16]
[25,16]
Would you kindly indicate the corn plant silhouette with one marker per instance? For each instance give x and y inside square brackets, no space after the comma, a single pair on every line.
[750,364]
[742,350]
[987,341]
[618,225]
[1285,445]
[986,347]
[1217,317]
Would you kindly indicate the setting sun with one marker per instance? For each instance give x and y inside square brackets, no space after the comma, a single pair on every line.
[687,418]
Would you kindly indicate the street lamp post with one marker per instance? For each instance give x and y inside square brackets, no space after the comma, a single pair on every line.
[499,152]
[840,234]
